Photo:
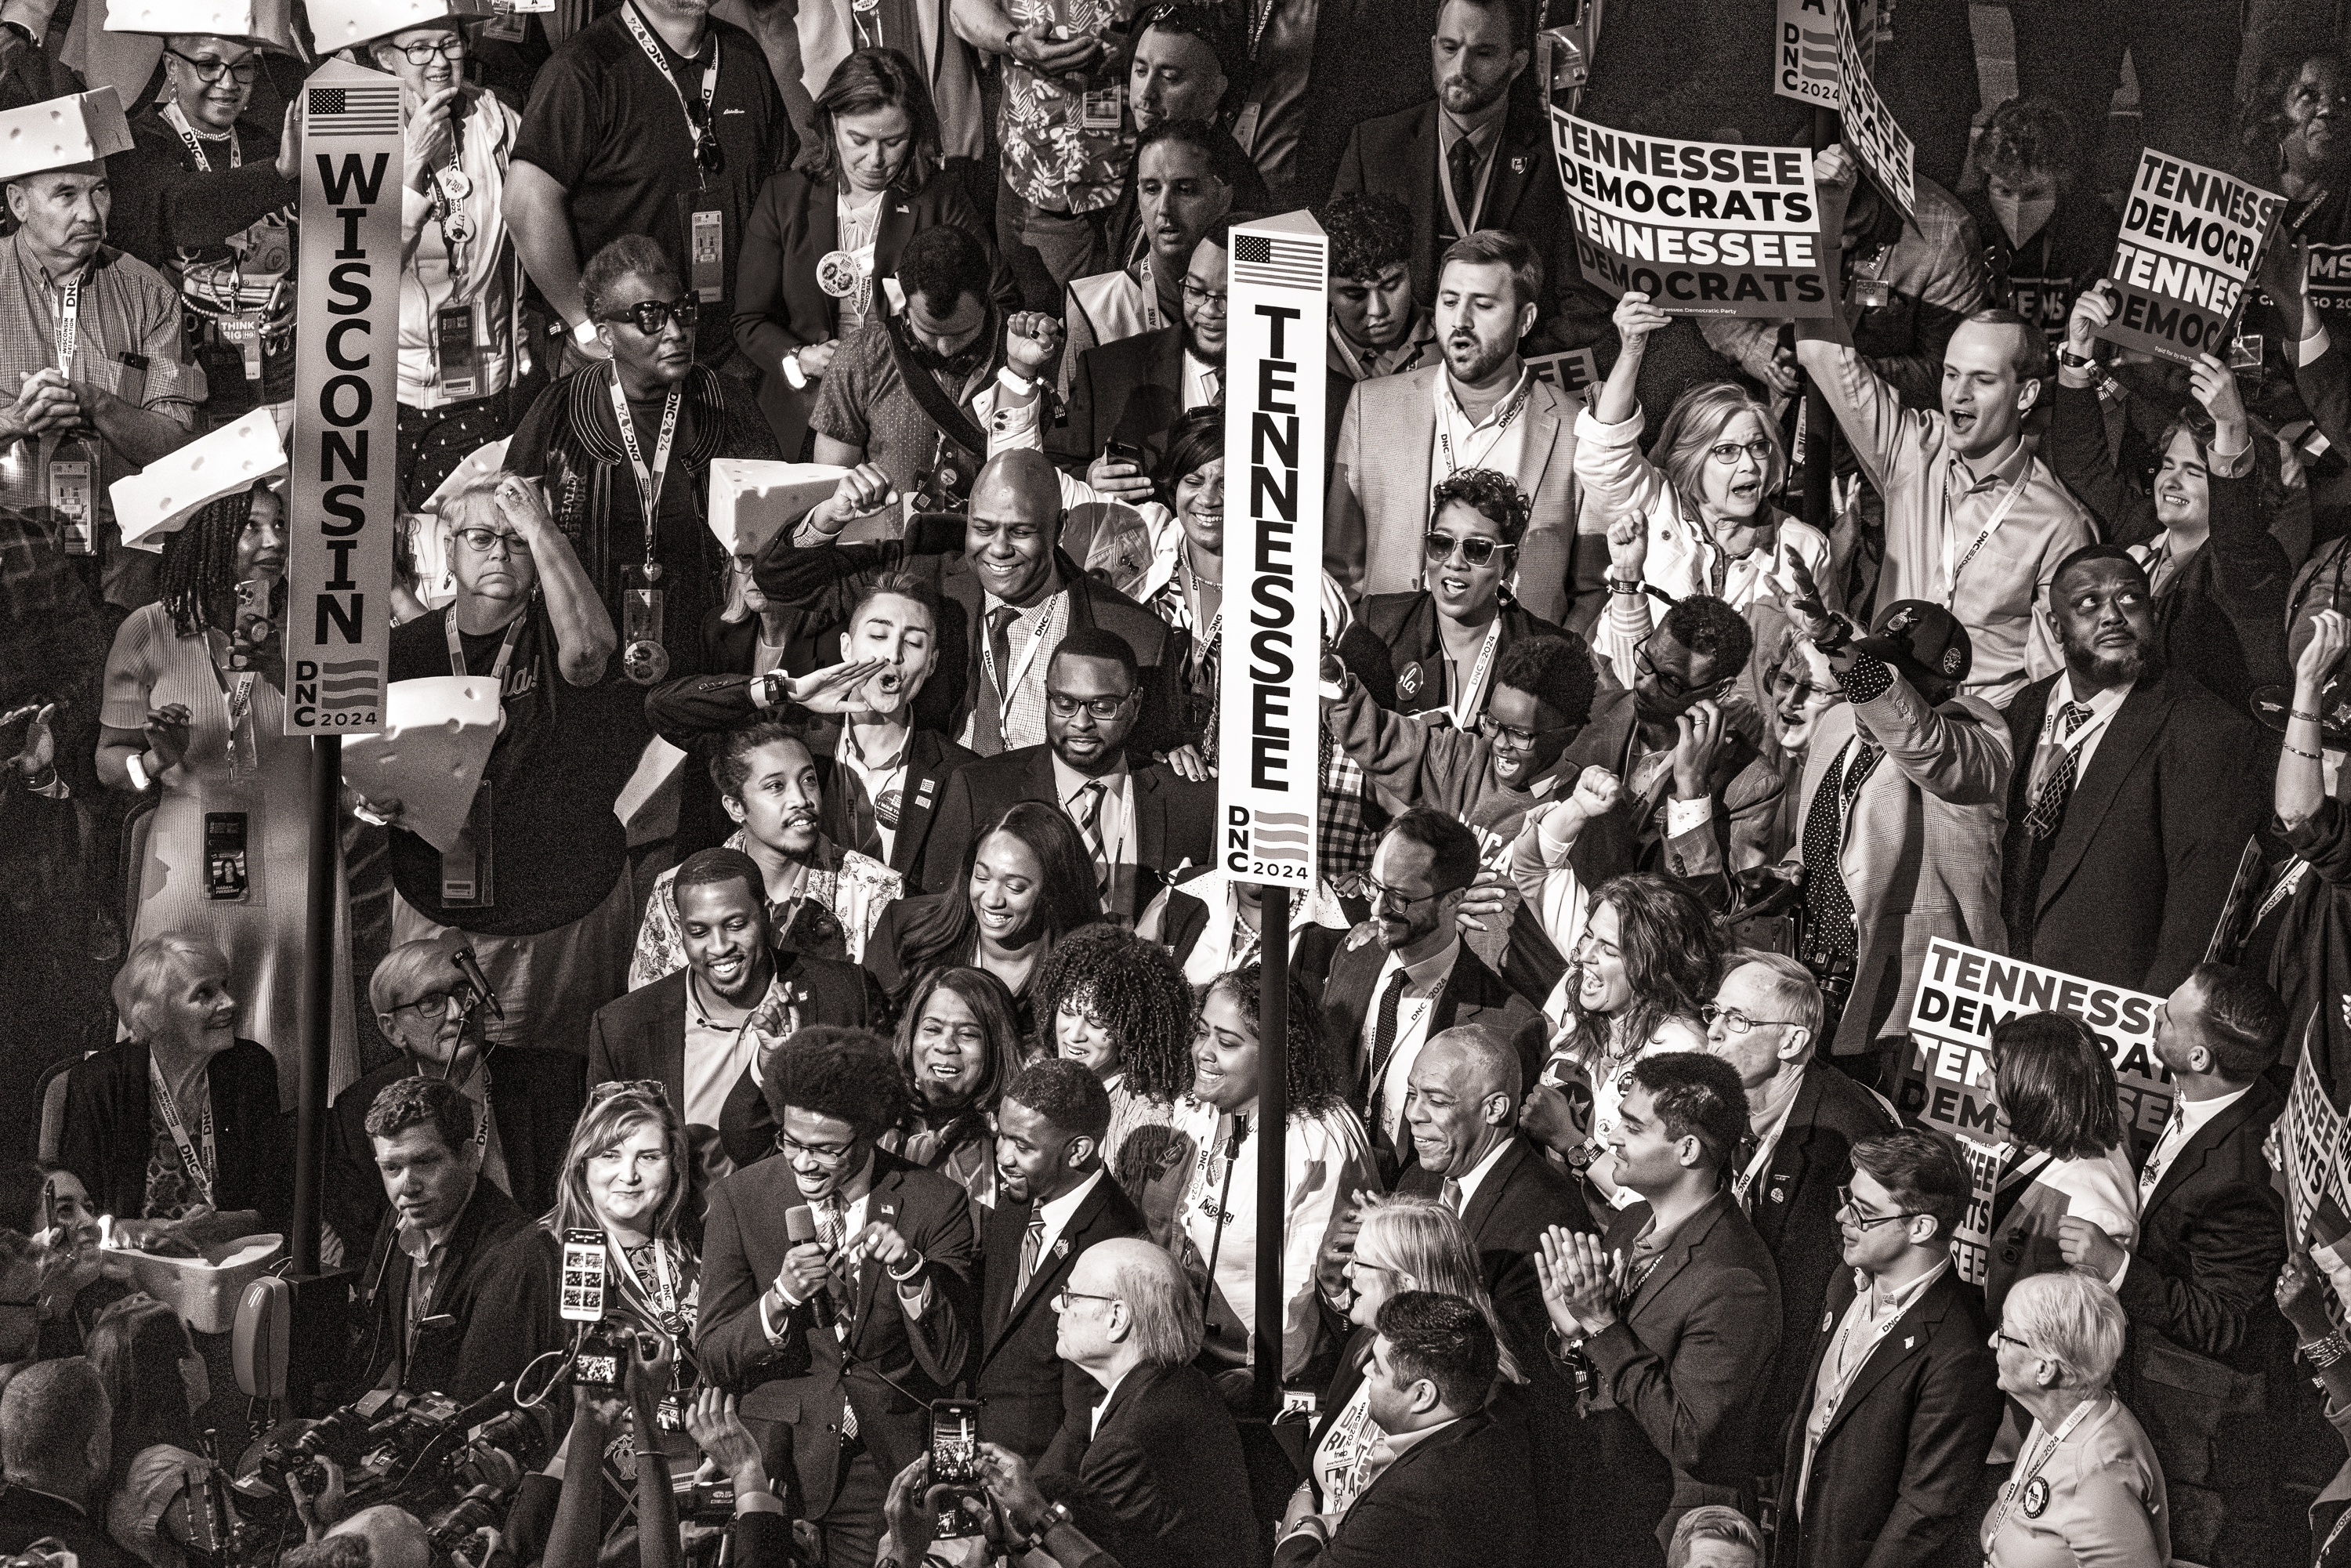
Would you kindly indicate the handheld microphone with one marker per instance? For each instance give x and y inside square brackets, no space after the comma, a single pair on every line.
[471,967]
[800,1226]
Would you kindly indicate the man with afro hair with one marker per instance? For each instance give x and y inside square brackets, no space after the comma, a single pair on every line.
[847,1336]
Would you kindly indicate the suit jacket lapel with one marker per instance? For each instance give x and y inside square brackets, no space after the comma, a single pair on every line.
[1489,1191]
[669,1046]
[1425,167]
[1058,1259]
[1676,1254]
[880,1209]
[1911,1331]
[1150,832]
[1543,422]
[918,797]
[894,228]
[2134,726]
[2191,1159]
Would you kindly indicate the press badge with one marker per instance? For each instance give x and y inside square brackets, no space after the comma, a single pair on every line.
[465,881]
[454,351]
[72,472]
[1100,108]
[227,876]
[642,658]
[1870,293]
[705,252]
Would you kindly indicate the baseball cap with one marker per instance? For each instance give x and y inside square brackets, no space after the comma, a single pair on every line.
[1922,640]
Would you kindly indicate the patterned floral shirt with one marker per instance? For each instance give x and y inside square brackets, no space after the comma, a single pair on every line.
[1051,158]
[842,900]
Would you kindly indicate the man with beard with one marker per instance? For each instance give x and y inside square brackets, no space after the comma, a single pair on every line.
[1463,161]
[698,1030]
[1132,391]
[525,1097]
[1974,520]
[2124,832]
[1481,407]
[926,395]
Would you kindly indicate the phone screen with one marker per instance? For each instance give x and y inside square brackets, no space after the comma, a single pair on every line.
[955,1441]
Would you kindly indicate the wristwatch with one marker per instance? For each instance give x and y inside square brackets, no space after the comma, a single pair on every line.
[1055,1513]
[795,377]
[2073,360]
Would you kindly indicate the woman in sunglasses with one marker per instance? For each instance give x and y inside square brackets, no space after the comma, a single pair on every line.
[635,496]
[1703,494]
[1446,639]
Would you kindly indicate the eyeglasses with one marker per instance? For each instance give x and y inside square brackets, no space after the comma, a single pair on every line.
[2006,1338]
[211,70]
[652,316]
[1786,685]
[1668,683]
[1064,705]
[483,541]
[434,1003]
[1738,1023]
[611,1086]
[1213,299]
[1869,1221]
[1512,737]
[822,1154]
[452,47]
[1477,550]
[1728,451]
[1061,1299]
[1395,900]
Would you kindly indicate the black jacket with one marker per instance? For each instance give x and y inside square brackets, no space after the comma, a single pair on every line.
[1454,1500]
[1405,625]
[2127,890]
[110,1123]
[535,1098]
[27,1516]
[1020,1377]
[497,1280]
[1891,1482]
[1166,1464]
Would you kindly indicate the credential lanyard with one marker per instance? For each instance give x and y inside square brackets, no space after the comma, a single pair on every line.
[649,480]
[1472,694]
[2015,1488]
[709,75]
[1745,1180]
[199,1169]
[196,145]
[69,328]
[505,651]
[1020,666]
[664,1299]
[1991,526]
[1501,427]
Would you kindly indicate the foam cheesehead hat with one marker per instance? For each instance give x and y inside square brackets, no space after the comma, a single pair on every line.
[1923,641]
[61,132]
[159,499]
[340,24]
[264,23]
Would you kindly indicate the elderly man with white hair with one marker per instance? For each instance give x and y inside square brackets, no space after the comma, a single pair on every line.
[2087,1486]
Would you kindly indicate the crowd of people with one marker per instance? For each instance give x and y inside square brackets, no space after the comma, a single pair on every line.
[834,941]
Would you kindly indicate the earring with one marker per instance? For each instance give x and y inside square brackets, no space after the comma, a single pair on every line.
[448,578]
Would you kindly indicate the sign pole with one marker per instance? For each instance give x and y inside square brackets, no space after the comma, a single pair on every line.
[1819,451]
[317,999]
[1272,1144]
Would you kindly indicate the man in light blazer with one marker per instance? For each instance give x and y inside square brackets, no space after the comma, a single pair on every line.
[1481,407]
[1899,829]
[1878,1463]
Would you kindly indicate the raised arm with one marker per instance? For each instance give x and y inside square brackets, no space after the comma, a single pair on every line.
[2301,775]
[584,638]
[1868,407]
[2077,446]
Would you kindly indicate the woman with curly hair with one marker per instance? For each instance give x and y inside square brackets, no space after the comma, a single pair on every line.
[1119,1005]
[193,714]
[957,1050]
[1202,1200]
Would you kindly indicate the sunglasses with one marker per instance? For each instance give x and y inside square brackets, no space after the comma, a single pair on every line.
[708,156]
[611,1086]
[1477,550]
[652,316]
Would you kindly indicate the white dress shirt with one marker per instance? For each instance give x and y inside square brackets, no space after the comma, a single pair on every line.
[879,777]
[1478,1174]
[1113,822]
[853,1194]
[1498,442]
[1867,1319]
[1094,1427]
[1201,382]
[1423,981]
[1058,1211]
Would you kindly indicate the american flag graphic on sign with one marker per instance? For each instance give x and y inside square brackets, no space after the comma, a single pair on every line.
[1271,262]
[350,683]
[347,111]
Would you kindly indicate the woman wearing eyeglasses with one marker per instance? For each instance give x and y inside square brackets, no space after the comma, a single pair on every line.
[605,477]
[1703,494]
[2086,1487]
[193,717]
[959,1049]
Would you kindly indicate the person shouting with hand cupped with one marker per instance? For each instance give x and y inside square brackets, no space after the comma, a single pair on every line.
[823,252]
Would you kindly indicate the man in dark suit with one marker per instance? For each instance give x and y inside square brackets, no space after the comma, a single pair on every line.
[532,1095]
[459,1287]
[1476,156]
[1054,1201]
[1006,591]
[1405,977]
[844,1339]
[1806,1117]
[1446,1487]
[2125,829]
[2197,1283]
[697,1031]
[1139,822]
[1159,1454]
[55,1436]
[1901,1396]
[1675,1354]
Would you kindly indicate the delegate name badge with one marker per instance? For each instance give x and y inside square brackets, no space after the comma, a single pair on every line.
[454,350]
[706,254]
[72,476]
[466,879]
[1102,109]
[642,658]
[227,877]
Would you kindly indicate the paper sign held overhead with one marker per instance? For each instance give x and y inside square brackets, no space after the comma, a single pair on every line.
[2189,239]
[1871,133]
[1704,228]
[62,131]
[1804,61]
[430,753]
[343,511]
[159,501]
[751,502]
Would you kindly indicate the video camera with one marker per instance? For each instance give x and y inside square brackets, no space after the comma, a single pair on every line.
[454,1465]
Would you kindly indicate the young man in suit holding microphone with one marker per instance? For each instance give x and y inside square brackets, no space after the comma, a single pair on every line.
[847,1334]
[1056,1200]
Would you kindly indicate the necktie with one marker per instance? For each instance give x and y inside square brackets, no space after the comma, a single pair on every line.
[1032,1244]
[832,1221]
[1461,167]
[2165,1148]
[1450,1194]
[1086,812]
[999,648]
[1216,379]
[1384,1043]
[1827,900]
[2049,807]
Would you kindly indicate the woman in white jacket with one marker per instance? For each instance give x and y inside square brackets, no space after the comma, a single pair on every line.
[1708,526]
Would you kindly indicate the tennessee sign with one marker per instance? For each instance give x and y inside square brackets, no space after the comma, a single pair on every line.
[2191,238]
[1870,129]
[346,416]
[1269,719]
[1704,228]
